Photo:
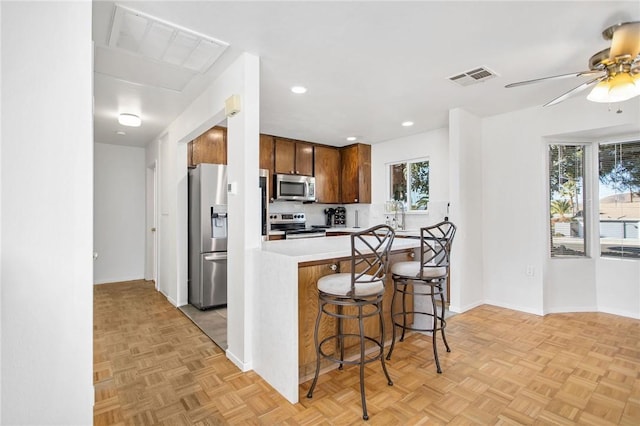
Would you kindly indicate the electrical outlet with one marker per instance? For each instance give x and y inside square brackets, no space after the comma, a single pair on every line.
[530,271]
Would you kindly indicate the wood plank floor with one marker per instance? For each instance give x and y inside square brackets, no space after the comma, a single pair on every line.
[153,366]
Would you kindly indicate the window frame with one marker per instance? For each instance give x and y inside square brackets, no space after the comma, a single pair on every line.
[595,164]
[408,162]
[587,196]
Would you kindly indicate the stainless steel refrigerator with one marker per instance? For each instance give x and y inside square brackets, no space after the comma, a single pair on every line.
[208,236]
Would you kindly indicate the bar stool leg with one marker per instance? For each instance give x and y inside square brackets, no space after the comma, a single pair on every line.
[434,333]
[393,319]
[340,336]
[443,323]
[404,308]
[315,341]
[382,337]
[365,416]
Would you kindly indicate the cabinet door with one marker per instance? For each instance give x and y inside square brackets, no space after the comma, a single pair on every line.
[285,155]
[307,313]
[327,173]
[210,147]
[356,174]
[304,159]
[266,154]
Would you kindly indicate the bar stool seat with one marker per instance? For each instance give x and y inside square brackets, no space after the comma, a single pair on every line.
[355,296]
[340,285]
[424,279]
[412,269]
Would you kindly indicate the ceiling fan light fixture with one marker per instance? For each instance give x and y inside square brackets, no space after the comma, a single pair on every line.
[636,81]
[621,87]
[130,120]
[600,93]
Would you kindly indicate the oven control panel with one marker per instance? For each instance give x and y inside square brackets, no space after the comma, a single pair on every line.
[284,218]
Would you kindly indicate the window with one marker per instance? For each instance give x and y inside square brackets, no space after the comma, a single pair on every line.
[566,200]
[409,184]
[619,194]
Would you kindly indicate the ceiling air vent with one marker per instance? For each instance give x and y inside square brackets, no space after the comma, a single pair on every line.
[153,38]
[476,75]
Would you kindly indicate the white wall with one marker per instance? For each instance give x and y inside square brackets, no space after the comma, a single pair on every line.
[467,199]
[46,198]
[434,146]
[119,213]
[515,213]
[170,150]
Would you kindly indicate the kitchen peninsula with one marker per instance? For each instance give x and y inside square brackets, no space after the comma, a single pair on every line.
[285,304]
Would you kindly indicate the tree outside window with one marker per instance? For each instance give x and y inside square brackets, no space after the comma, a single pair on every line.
[566,200]
[409,184]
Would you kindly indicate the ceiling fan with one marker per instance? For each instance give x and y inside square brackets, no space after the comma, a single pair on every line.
[615,71]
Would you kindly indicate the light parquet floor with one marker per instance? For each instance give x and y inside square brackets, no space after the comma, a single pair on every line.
[153,366]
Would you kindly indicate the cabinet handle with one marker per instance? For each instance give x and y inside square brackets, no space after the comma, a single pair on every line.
[412,255]
[355,200]
[333,267]
[297,172]
[291,171]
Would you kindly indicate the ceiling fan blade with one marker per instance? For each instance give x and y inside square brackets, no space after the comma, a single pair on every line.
[625,40]
[575,90]
[555,77]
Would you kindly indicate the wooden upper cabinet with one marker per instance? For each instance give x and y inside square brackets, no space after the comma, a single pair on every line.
[267,154]
[209,147]
[327,173]
[356,173]
[293,157]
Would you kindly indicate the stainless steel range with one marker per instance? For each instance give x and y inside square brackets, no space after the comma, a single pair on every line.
[294,226]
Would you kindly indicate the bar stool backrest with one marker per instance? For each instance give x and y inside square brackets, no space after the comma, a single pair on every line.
[435,246]
[370,255]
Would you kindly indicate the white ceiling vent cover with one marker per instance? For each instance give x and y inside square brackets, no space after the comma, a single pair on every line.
[474,76]
[153,38]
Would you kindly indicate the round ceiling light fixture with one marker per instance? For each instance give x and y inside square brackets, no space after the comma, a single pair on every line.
[407,123]
[130,120]
[299,90]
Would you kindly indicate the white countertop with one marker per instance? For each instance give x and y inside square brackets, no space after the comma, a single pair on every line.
[312,249]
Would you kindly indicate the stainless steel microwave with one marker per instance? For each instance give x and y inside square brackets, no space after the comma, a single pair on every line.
[294,188]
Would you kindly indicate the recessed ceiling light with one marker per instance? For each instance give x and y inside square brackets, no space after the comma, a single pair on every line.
[130,120]
[120,133]
[407,123]
[351,138]
[299,89]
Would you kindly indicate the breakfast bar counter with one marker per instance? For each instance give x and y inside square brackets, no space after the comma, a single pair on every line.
[285,303]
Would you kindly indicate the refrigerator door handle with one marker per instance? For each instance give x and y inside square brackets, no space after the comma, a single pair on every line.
[215,256]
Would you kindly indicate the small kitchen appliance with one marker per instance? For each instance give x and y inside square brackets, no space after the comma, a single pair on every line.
[329,214]
[294,188]
[340,217]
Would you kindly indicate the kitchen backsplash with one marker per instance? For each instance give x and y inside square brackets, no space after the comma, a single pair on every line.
[368,214]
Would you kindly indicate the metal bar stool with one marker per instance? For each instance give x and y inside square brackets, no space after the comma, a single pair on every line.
[424,279]
[356,295]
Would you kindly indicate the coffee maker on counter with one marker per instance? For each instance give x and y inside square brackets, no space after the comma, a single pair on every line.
[340,217]
[329,213]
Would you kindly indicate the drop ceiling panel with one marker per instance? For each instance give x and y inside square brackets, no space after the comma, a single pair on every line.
[151,37]
[139,70]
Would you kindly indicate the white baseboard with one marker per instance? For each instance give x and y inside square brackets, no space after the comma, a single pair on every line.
[116,280]
[238,363]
